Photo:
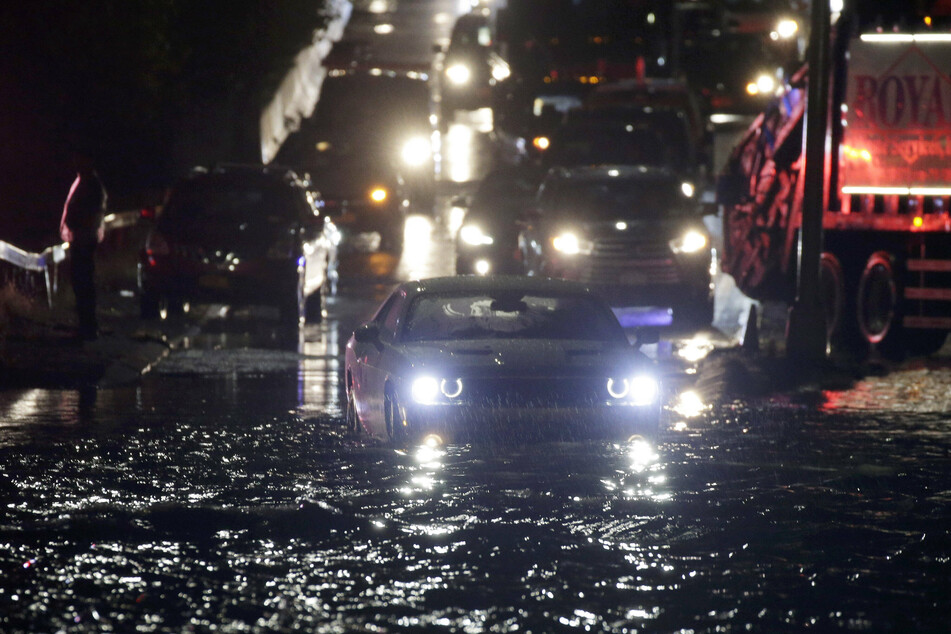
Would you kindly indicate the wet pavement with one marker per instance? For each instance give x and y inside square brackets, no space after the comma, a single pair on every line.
[235,502]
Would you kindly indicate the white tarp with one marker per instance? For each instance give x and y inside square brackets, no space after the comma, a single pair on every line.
[297,95]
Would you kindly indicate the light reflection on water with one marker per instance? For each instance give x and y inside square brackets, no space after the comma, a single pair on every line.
[249,509]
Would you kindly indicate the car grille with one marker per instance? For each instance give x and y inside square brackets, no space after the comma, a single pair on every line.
[506,392]
[629,259]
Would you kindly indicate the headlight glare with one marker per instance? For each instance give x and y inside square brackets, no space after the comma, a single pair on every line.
[569,243]
[458,74]
[425,389]
[473,235]
[378,194]
[416,151]
[644,390]
[691,241]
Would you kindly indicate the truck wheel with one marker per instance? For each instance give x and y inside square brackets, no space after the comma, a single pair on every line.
[877,306]
[839,303]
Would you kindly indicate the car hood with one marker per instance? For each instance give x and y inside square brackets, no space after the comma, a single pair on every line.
[523,357]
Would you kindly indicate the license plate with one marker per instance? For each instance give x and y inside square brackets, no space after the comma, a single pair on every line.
[217,282]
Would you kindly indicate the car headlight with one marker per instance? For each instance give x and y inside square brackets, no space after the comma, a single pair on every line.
[501,72]
[459,74]
[378,195]
[763,85]
[426,390]
[691,241]
[569,243]
[638,390]
[786,28]
[474,235]
[416,151]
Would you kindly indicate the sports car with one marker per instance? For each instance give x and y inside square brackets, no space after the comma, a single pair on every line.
[451,359]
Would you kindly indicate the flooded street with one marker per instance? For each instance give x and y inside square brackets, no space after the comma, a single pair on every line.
[223,494]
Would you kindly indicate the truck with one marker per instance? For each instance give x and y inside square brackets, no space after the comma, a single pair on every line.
[885,267]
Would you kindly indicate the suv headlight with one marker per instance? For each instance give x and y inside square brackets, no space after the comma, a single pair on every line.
[459,74]
[570,243]
[692,241]
[474,236]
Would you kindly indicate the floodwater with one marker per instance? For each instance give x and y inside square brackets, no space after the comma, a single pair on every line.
[231,500]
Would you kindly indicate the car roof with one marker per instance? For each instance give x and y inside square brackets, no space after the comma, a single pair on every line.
[494,283]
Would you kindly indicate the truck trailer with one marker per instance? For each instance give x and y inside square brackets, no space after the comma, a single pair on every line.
[885,267]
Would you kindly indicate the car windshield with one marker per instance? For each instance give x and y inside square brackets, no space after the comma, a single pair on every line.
[512,315]
[614,198]
[235,201]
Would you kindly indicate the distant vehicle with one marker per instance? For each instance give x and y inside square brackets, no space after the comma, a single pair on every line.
[242,235]
[658,94]
[634,234]
[459,357]
[366,198]
[384,120]
[487,239]
[471,66]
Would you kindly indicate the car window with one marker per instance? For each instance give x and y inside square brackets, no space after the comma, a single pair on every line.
[388,316]
[442,317]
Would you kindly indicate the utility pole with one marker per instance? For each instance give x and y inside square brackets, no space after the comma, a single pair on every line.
[806,328]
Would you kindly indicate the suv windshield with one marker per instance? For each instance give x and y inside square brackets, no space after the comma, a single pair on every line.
[614,198]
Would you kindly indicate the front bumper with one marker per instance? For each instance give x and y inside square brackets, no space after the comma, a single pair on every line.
[460,422]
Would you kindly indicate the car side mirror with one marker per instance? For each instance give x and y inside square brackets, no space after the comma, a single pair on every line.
[367,333]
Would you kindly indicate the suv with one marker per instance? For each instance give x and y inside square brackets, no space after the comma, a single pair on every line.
[635,234]
[239,235]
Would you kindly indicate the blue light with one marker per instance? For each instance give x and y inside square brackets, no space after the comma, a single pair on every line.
[642,316]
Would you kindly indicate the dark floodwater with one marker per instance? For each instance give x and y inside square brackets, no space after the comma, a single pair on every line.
[237,504]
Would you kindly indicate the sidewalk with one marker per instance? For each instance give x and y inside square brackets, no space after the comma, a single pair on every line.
[39,347]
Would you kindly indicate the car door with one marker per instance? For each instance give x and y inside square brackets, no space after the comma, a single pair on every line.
[371,363]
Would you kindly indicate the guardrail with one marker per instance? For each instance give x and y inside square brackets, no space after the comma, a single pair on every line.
[21,267]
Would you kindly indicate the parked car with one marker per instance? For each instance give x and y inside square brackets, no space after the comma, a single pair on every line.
[452,358]
[487,239]
[635,234]
[242,235]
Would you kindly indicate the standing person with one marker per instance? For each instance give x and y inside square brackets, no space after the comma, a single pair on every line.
[82,227]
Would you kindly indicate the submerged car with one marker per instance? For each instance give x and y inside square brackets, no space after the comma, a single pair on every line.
[634,234]
[239,235]
[451,358]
